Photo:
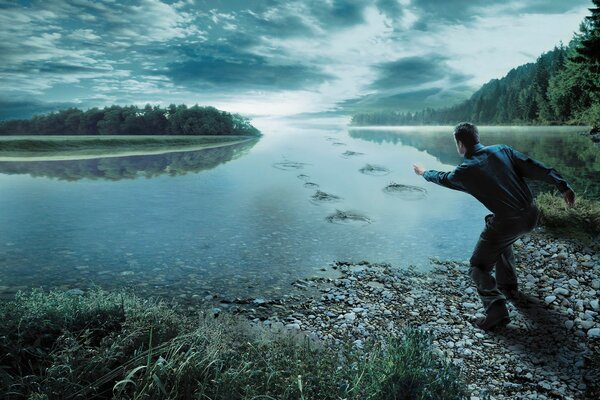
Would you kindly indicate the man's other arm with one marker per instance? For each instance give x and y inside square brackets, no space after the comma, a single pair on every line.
[530,168]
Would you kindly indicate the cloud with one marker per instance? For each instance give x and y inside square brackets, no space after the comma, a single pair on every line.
[411,72]
[26,108]
[244,71]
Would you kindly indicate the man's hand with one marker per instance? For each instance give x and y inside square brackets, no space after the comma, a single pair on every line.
[569,197]
[419,170]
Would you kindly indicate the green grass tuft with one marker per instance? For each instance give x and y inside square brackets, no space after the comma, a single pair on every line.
[115,345]
[583,217]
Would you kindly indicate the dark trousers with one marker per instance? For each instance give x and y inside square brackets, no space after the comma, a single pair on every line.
[494,248]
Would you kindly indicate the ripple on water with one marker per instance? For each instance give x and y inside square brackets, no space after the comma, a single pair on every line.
[405,192]
[349,153]
[376,170]
[311,185]
[348,217]
[289,165]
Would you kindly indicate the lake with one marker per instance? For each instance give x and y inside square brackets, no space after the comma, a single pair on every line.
[248,218]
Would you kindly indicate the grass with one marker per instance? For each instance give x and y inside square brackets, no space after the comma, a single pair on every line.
[115,345]
[69,146]
[583,217]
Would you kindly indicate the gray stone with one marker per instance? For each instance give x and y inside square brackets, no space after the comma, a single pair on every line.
[587,324]
[569,324]
[549,299]
[596,283]
[594,333]
[562,291]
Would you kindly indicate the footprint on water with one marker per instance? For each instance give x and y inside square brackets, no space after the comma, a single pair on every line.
[372,169]
[324,197]
[405,192]
[289,165]
[348,217]
[311,185]
[349,153]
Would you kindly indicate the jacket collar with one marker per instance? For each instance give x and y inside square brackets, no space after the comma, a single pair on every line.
[472,150]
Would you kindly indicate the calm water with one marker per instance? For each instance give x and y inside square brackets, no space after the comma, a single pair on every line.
[239,220]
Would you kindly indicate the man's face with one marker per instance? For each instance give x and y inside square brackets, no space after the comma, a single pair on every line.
[460,147]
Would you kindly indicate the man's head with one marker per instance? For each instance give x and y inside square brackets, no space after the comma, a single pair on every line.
[466,136]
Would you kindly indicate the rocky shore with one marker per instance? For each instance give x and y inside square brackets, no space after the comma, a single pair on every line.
[545,353]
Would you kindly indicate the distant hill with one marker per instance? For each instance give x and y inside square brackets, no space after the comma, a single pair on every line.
[131,120]
[561,87]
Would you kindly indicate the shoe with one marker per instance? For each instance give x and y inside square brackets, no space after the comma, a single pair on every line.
[496,318]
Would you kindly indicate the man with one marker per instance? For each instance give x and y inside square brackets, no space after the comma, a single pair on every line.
[494,176]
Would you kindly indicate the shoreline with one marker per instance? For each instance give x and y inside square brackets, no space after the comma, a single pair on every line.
[543,353]
[550,350]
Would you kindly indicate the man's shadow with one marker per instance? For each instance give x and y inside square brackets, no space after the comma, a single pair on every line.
[545,343]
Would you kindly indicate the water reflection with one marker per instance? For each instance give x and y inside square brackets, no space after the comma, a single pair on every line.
[575,156]
[130,167]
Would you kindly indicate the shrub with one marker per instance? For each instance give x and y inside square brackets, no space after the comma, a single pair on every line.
[584,216]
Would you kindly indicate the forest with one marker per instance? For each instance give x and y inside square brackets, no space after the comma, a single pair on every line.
[132,120]
[561,87]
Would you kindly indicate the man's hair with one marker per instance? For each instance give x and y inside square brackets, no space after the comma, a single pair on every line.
[466,133]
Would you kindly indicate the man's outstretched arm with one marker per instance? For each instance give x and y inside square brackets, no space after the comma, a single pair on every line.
[451,180]
[533,169]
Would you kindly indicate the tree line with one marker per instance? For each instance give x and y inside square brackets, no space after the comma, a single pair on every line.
[561,87]
[132,120]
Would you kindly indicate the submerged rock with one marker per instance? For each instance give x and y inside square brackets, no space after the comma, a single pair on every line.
[406,192]
[371,169]
[289,165]
[343,217]
[321,196]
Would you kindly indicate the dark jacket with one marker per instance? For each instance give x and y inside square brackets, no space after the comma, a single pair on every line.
[494,176]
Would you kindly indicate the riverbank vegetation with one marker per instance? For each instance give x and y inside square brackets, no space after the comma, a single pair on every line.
[561,87]
[131,120]
[65,345]
[582,218]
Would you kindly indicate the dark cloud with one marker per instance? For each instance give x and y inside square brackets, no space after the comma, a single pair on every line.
[26,108]
[244,71]
[413,71]
[340,13]
[465,11]
[408,101]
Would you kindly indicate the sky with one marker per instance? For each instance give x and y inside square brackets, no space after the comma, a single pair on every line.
[271,57]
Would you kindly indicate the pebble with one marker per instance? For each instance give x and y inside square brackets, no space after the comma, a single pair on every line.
[594,333]
[549,299]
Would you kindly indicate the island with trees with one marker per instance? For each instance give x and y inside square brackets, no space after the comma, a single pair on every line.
[132,120]
[561,87]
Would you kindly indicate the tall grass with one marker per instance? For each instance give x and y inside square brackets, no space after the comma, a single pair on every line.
[115,345]
[583,217]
